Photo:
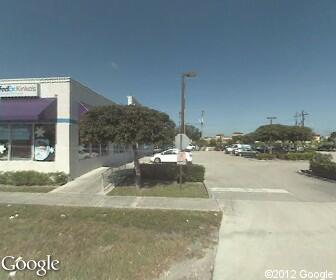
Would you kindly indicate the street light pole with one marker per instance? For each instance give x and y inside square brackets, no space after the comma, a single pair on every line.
[182,121]
[271,123]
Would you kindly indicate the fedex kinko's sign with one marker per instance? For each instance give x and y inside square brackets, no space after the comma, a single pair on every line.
[19,90]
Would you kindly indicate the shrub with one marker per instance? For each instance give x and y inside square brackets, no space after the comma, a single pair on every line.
[33,178]
[170,172]
[193,173]
[266,156]
[59,178]
[287,156]
[297,156]
[322,165]
[120,176]
[162,171]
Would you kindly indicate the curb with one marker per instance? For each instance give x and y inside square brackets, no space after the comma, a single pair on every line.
[306,173]
[207,190]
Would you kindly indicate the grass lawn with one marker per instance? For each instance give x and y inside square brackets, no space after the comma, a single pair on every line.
[97,243]
[168,189]
[31,189]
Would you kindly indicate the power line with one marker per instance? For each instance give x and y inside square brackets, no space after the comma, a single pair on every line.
[303,117]
[296,117]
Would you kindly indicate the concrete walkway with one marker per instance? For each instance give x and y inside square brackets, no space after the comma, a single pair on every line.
[89,183]
[96,200]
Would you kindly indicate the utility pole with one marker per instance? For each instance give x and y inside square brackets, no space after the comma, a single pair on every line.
[303,117]
[202,122]
[271,123]
[296,117]
[271,119]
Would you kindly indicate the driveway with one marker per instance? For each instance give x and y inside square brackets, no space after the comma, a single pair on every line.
[273,218]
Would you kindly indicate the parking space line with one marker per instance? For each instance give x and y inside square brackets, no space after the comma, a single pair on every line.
[250,190]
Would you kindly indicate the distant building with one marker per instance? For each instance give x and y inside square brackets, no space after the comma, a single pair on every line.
[219,137]
[235,134]
[317,137]
[132,101]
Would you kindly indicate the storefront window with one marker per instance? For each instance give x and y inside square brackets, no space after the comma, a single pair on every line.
[21,144]
[44,146]
[4,142]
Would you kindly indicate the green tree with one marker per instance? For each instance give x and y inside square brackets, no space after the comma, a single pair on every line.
[332,137]
[213,143]
[132,125]
[283,133]
[249,138]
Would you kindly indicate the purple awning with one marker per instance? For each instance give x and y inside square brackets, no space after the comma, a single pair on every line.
[27,109]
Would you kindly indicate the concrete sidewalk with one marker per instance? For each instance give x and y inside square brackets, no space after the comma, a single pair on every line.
[96,200]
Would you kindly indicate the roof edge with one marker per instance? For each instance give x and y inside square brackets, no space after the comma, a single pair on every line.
[39,80]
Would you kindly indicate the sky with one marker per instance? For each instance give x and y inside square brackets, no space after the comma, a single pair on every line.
[253,58]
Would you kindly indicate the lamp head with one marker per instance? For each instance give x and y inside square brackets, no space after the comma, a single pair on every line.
[190,74]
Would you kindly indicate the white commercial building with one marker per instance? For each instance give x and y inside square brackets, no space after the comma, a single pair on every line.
[39,128]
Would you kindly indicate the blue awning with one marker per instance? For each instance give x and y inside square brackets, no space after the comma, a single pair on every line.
[40,109]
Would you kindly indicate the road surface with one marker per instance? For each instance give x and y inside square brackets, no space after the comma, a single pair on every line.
[274,219]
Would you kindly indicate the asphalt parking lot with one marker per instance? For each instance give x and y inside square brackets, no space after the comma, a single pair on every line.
[276,179]
[275,220]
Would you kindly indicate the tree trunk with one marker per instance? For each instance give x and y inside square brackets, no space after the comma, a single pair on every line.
[136,166]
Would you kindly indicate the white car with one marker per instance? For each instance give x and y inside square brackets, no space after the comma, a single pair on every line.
[191,147]
[169,156]
[238,148]
[228,149]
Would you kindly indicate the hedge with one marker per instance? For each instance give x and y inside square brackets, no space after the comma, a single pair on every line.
[297,156]
[119,176]
[265,156]
[170,172]
[288,156]
[33,178]
[322,165]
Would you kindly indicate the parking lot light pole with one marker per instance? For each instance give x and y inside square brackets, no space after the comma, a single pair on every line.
[182,121]
[271,123]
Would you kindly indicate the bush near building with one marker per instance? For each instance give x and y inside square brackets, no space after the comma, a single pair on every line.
[170,172]
[33,178]
[323,166]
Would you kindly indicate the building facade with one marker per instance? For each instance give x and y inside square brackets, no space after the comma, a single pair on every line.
[39,128]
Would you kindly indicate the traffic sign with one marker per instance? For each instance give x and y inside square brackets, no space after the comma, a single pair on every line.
[185,141]
[181,158]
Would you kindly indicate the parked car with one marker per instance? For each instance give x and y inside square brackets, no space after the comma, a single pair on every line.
[239,147]
[158,150]
[261,149]
[246,152]
[228,149]
[191,147]
[169,156]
